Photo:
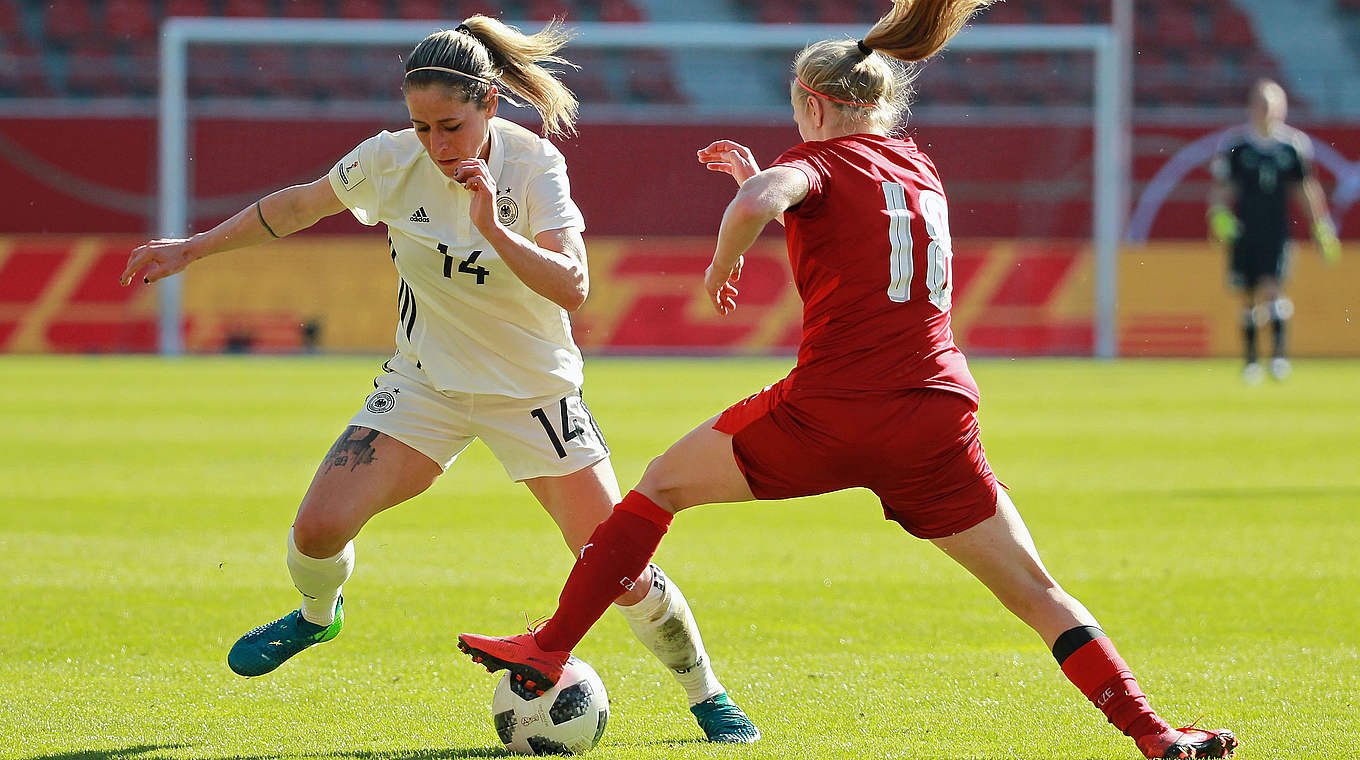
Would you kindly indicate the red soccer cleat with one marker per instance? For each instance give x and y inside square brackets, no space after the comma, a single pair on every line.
[1188,742]
[532,667]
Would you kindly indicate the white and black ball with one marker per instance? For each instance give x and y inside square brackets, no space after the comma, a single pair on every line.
[568,719]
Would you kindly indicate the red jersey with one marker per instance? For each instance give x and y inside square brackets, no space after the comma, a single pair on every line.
[870,252]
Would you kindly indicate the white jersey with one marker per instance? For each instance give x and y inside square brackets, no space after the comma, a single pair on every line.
[464,318]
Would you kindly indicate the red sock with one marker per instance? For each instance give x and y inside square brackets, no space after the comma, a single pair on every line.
[616,554]
[1101,674]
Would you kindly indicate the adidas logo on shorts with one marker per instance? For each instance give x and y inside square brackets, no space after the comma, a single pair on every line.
[419,215]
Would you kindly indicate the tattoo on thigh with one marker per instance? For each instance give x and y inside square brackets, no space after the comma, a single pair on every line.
[351,450]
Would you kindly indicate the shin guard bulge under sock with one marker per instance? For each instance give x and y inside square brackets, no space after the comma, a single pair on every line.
[319,580]
[664,624]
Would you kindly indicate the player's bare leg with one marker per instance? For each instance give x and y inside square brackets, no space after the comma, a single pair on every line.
[688,471]
[1000,552]
[364,473]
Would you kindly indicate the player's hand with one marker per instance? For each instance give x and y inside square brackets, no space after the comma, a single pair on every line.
[1223,225]
[1325,235]
[721,286]
[473,174]
[158,259]
[730,157]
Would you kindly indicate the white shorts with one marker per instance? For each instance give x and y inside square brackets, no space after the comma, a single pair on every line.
[532,438]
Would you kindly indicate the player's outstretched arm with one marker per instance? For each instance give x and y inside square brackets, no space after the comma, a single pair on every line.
[760,200]
[276,215]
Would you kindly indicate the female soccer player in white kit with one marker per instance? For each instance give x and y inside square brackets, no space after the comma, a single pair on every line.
[487,242]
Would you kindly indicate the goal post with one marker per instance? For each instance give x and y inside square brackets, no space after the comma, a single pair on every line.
[1109,119]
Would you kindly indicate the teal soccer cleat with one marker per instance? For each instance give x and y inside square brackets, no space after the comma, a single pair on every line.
[722,721]
[269,646]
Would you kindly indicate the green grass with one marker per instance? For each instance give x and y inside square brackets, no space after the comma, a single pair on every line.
[143,506]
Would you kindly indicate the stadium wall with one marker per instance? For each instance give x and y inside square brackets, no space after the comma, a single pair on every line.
[97,175]
[337,293]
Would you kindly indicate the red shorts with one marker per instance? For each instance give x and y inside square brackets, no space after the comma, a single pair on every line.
[917,450]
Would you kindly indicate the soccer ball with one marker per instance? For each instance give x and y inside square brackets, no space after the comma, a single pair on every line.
[568,718]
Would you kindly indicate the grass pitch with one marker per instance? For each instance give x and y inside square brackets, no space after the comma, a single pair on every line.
[144,503]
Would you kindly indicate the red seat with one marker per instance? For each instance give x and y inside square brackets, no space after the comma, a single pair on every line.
[328,73]
[543,10]
[624,12]
[214,71]
[305,9]
[363,9]
[247,9]
[273,73]
[421,10]
[650,80]
[189,8]
[94,73]
[69,23]
[130,22]
[24,73]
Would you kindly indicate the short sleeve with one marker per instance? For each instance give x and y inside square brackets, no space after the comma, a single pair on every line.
[548,196]
[809,163]
[355,179]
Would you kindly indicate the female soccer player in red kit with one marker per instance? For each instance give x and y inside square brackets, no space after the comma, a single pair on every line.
[880,398]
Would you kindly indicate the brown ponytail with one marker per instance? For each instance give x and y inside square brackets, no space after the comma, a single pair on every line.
[914,30]
[483,50]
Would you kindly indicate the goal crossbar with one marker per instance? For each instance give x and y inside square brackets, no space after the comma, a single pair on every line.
[1110,132]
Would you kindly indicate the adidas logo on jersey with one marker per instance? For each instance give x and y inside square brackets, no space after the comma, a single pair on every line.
[419,215]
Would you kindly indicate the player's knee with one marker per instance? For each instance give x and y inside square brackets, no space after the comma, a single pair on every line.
[1249,317]
[1281,309]
[319,535]
[664,482]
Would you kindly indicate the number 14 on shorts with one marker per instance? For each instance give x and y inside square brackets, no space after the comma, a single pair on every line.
[570,428]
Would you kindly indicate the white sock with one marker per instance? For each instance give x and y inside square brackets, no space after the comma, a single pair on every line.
[662,621]
[319,580]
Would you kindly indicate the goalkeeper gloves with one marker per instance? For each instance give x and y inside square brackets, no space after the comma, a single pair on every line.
[1223,225]
[1325,235]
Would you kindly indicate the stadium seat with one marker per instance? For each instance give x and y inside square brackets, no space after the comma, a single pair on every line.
[305,9]
[588,82]
[620,12]
[272,73]
[247,8]
[363,9]
[189,8]
[93,73]
[649,78]
[543,10]
[24,73]
[130,23]
[69,24]
[214,71]
[420,10]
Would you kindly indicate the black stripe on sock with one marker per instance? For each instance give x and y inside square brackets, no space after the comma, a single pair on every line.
[1072,639]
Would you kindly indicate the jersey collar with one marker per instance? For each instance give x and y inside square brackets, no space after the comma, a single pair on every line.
[496,158]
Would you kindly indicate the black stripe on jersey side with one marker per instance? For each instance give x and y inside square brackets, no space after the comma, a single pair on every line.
[593,426]
[403,300]
[411,320]
[392,249]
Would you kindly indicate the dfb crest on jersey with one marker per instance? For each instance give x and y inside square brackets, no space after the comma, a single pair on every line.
[381,402]
[507,211]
